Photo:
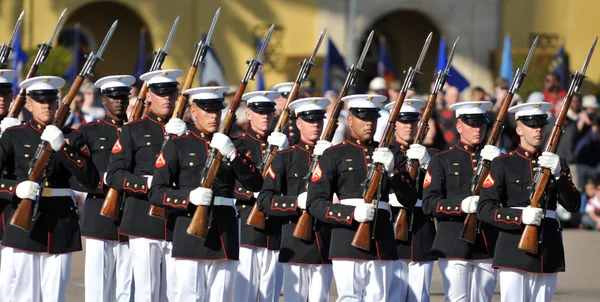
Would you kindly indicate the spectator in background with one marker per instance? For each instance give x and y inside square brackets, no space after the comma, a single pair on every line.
[307,89]
[446,120]
[508,137]
[552,91]
[591,218]
[91,102]
[587,117]
[589,189]
[479,94]
[77,117]
[394,90]
[587,152]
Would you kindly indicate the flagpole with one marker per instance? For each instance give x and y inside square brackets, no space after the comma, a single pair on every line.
[351,29]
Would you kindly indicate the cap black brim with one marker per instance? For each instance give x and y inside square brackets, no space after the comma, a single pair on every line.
[5,88]
[163,88]
[262,107]
[43,95]
[534,120]
[365,113]
[474,119]
[116,92]
[210,105]
[312,116]
[408,117]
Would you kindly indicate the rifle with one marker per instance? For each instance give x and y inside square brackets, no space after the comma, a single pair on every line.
[256,218]
[26,213]
[6,49]
[371,185]
[529,239]
[200,223]
[469,229]
[110,206]
[402,227]
[304,225]
[159,58]
[42,54]
[179,110]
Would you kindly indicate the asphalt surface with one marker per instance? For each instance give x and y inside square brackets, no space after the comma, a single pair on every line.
[580,283]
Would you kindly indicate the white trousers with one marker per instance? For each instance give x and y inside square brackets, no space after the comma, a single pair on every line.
[108,271]
[40,276]
[412,281]
[362,280]
[526,287]
[8,272]
[278,279]
[204,280]
[153,269]
[255,277]
[306,282]
[468,280]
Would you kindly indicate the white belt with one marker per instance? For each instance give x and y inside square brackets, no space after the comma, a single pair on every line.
[224,201]
[51,192]
[548,214]
[356,201]
[419,203]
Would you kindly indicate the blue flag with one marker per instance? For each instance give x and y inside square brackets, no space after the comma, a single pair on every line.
[141,66]
[506,68]
[19,61]
[385,67]
[73,70]
[455,78]
[212,71]
[260,77]
[334,69]
[560,65]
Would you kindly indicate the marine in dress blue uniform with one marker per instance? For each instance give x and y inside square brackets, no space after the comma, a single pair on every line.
[359,274]
[466,268]
[504,203]
[307,268]
[205,267]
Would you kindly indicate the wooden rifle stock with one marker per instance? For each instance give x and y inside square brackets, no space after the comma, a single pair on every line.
[401,226]
[22,218]
[362,237]
[178,112]
[469,229]
[199,224]
[256,218]
[303,229]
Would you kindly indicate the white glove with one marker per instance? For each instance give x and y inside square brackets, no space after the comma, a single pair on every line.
[28,190]
[148,181]
[201,196]
[224,144]
[551,161]
[302,200]
[364,212]
[54,136]
[104,178]
[386,157]
[321,146]
[531,216]
[393,201]
[8,122]
[278,139]
[418,152]
[176,126]
[489,152]
[469,204]
[255,194]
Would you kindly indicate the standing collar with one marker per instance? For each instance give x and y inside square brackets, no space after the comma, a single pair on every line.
[306,145]
[113,120]
[466,147]
[529,154]
[37,125]
[357,141]
[199,133]
[157,117]
[257,136]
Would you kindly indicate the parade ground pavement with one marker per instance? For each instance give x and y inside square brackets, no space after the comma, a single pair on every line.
[580,283]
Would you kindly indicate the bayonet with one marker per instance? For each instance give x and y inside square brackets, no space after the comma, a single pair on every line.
[589,57]
[58,26]
[424,51]
[264,44]
[170,37]
[106,39]
[450,57]
[361,59]
[312,57]
[6,49]
[212,27]
[529,55]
